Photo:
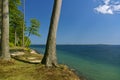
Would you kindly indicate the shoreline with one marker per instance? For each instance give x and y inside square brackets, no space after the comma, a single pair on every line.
[81,77]
[29,57]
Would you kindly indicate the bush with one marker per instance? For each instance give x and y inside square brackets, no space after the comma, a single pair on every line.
[11,44]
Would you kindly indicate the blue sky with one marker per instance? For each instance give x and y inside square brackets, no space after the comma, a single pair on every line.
[81,21]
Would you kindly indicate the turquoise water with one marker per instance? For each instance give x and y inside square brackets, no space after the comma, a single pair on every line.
[95,62]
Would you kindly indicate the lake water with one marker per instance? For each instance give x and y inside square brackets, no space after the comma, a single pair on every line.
[95,62]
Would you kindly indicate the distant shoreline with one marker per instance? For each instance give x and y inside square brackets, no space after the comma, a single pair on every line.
[81,44]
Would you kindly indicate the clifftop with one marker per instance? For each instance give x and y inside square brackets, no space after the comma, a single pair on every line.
[26,65]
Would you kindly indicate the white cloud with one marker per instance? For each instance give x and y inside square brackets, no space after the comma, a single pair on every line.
[108,7]
[106,1]
[105,9]
[116,7]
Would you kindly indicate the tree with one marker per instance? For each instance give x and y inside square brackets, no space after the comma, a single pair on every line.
[23,23]
[0,21]
[5,30]
[50,58]
[16,23]
[33,29]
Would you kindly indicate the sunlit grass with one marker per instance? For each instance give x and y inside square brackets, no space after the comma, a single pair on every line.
[20,70]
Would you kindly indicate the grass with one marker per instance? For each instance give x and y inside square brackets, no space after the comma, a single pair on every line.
[19,68]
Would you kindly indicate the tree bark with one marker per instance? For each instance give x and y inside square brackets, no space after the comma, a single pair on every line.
[23,24]
[0,23]
[50,58]
[5,31]
[15,37]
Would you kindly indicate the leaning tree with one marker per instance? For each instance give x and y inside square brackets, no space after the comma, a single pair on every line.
[50,58]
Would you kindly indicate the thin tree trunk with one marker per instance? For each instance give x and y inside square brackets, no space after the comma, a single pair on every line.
[28,37]
[0,23]
[23,22]
[15,37]
[50,58]
[5,31]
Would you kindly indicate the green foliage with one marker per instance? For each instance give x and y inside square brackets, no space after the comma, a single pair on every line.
[16,25]
[16,22]
[28,42]
[11,44]
[34,28]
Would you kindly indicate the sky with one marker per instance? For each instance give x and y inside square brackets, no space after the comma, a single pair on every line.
[81,21]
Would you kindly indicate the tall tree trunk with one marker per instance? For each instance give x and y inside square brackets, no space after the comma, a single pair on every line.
[5,31]
[15,37]
[0,23]
[23,23]
[50,58]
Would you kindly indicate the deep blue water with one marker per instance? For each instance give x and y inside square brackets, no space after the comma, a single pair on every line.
[95,62]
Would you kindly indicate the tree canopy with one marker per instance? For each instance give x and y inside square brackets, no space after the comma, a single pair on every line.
[33,29]
[16,24]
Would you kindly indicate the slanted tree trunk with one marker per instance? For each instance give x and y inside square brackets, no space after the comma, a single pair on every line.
[28,37]
[50,58]
[5,31]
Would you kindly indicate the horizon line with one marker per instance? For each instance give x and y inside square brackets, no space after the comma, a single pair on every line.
[78,44]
